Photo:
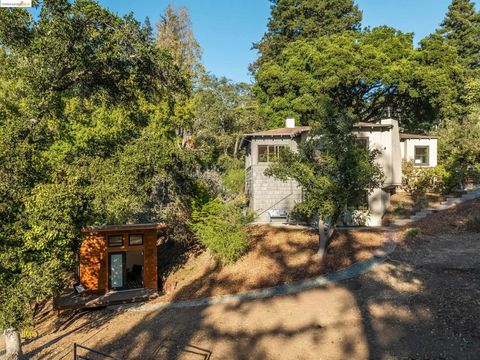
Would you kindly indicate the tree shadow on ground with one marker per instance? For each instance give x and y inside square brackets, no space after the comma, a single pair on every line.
[270,262]
[424,301]
[170,257]
[413,311]
[421,303]
[68,324]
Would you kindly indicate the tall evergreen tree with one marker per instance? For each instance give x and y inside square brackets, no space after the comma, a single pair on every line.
[461,29]
[305,19]
[175,34]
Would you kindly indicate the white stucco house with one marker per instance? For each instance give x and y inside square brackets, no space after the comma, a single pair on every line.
[270,197]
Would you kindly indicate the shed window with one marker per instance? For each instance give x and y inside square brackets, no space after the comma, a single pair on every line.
[135,239]
[421,155]
[115,240]
[269,153]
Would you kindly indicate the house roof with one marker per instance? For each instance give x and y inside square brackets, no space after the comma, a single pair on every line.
[124,227]
[292,132]
[362,124]
[281,131]
[415,136]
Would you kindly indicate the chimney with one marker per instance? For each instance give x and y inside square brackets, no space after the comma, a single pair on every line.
[290,123]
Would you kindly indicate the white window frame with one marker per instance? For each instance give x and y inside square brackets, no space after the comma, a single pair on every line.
[276,152]
[427,149]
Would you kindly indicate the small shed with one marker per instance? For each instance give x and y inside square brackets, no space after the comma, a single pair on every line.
[119,257]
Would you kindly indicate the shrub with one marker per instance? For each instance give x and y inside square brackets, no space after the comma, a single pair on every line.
[234,181]
[233,176]
[420,204]
[411,233]
[418,181]
[410,177]
[473,224]
[221,228]
[455,177]
[459,173]
[459,148]
[177,210]
[400,208]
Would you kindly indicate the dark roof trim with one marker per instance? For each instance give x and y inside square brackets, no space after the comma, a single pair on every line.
[293,132]
[124,227]
[415,136]
[372,125]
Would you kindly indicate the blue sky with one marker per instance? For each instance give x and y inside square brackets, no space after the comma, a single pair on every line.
[226,29]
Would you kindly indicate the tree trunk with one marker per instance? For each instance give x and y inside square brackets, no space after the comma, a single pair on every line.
[324,236]
[235,148]
[184,138]
[13,345]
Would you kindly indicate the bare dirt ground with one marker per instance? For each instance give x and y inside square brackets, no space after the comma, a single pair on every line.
[403,205]
[422,303]
[277,255]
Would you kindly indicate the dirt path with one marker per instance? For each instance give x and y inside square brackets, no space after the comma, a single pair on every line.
[422,303]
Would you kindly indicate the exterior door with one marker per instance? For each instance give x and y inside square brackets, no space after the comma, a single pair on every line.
[116,271]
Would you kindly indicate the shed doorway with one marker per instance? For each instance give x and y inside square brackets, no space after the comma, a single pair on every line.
[135,265]
[126,270]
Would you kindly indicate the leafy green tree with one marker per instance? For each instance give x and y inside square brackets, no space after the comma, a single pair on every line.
[87,127]
[363,72]
[442,81]
[224,111]
[293,20]
[221,228]
[233,175]
[459,148]
[461,29]
[333,170]
[79,49]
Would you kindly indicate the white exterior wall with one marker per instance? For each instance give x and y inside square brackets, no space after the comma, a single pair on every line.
[388,142]
[269,193]
[396,156]
[408,149]
[380,140]
[378,202]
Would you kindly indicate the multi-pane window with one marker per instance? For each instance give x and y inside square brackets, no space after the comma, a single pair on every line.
[135,239]
[115,240]
[421,155]
[362,143]
[269,153]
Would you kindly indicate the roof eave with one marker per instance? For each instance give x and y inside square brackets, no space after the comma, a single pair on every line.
[417,137]
[123,227]
[374,126]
